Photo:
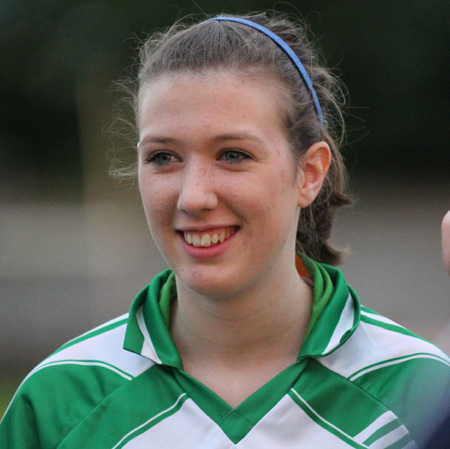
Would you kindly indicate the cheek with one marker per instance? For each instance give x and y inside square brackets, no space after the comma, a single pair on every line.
[281,205]
[269,190]
[281,187]
[155,200]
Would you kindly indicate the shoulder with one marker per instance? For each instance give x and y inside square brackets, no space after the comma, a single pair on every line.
[408,375]
[77,378]
[100,350]
[378,343]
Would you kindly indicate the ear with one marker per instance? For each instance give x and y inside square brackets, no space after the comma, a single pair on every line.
[313,168]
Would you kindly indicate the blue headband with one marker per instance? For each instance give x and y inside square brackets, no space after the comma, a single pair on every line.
[288,50]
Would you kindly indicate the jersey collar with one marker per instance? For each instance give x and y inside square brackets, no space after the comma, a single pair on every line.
[334,316]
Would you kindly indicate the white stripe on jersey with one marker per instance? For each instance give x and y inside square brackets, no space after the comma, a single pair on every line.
[136,430]
[148,348]
[95,329]
[392,437]
[380,318]
[395,362]
[189,428]
[339,431]
[345,323]
[371,345]
[86,363]
[106,347]
[286,426]
[381,421]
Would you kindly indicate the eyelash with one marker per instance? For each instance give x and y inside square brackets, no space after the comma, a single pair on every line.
[156,158]
[239,156]
[163,158]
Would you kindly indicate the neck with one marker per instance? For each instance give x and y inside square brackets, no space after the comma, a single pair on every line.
[269,321]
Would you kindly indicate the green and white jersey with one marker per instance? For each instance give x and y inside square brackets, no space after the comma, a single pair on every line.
[360,381]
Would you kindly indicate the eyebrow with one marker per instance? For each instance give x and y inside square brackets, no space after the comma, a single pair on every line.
[240,135]
[158,139]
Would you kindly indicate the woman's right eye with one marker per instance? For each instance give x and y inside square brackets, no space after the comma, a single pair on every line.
[161,158]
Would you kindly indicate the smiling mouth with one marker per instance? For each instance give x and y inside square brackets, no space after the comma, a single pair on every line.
[208,238]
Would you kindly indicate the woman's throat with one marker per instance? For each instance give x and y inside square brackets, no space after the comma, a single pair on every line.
[208,238]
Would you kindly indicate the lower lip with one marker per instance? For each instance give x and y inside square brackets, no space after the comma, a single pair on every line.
[208,252]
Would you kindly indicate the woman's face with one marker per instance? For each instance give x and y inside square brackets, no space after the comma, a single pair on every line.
[217,180]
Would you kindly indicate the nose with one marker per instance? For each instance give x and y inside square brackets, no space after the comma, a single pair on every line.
[197,192]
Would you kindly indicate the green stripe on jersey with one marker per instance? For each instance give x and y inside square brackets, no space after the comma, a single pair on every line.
[168,294]
[237,423]
[55,399]
[108,426]
[322,422]
[409,385]
[323,291]
[383,431]
[148,301]
[389,362]
[325,396]
[402,443]
[391,327]
[95,363]
[333,314]
[154,420]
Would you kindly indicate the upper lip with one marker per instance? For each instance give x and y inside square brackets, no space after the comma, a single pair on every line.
[204,228]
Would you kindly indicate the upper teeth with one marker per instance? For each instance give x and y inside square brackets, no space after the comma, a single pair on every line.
[206,240]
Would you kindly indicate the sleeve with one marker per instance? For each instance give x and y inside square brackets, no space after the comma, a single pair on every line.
[47,406]
[53,401]
[416,389]
[19,428]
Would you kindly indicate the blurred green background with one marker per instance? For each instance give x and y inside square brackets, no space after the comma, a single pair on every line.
[71,240]
[393,55]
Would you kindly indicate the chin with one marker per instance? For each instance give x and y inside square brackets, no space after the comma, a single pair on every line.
[211,285]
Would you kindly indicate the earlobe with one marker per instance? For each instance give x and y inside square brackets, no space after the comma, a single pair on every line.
[313,169]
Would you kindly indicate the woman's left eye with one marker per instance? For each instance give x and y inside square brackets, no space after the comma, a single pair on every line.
[234,156]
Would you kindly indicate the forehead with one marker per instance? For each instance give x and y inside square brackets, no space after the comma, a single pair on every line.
[220,93]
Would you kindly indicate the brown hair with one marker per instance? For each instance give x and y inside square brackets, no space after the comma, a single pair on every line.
[234,47]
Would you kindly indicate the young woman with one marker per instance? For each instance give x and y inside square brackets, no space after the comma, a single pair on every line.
[252,339]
